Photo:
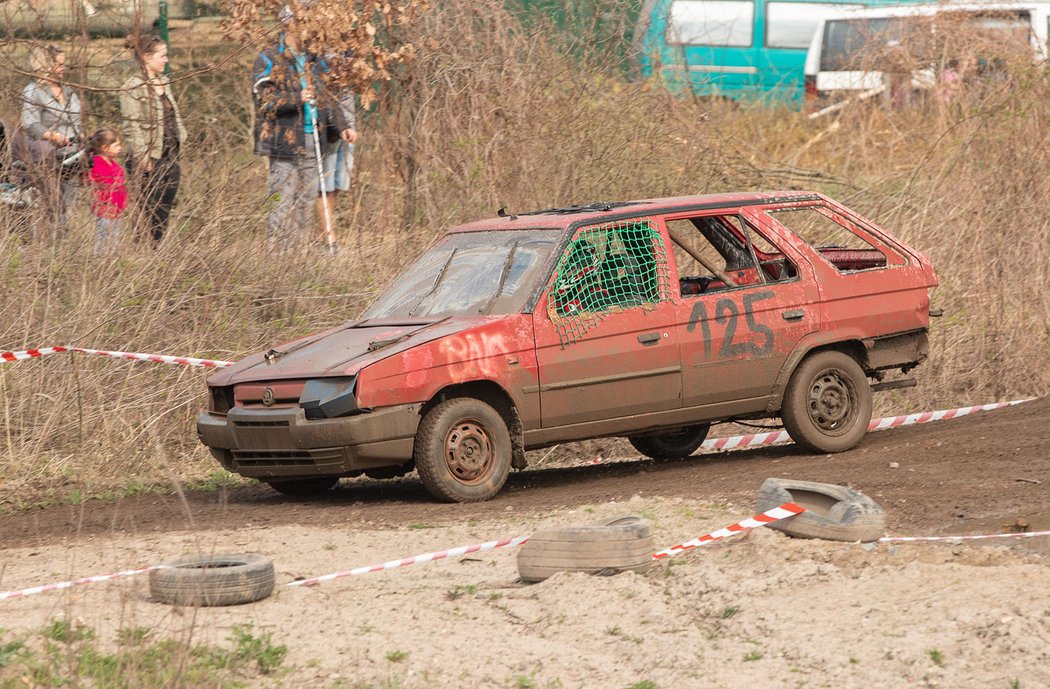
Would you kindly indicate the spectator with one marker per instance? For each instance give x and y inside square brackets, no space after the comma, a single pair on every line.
[338,160]
[153,132]
[286,115]
[51,117]
[108,183]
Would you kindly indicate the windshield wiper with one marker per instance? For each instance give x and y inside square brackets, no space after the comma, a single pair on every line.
[502,279]
[437,281]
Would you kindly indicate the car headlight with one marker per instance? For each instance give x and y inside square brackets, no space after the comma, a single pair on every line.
[329,398]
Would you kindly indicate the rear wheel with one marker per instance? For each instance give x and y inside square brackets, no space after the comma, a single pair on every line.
[827,404]
[463,451]
[305,487]
[680,442]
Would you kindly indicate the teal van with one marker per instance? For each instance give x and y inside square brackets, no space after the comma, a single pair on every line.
[738,49]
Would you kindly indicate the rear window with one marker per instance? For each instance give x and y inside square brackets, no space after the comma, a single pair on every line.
[791,24]
[717,23]
[868,43]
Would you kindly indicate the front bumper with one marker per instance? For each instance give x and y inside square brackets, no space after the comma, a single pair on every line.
[283,443]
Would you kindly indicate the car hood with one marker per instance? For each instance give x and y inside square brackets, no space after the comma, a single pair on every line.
[344,350]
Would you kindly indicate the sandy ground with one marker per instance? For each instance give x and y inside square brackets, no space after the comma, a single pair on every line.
[761,610]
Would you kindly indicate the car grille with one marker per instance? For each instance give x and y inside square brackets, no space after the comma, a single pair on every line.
[288,458]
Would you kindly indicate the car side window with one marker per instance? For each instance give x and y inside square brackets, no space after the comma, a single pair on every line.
[721,252]
[844,245]
[608,268]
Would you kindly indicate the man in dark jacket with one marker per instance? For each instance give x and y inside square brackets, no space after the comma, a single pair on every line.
[286,115]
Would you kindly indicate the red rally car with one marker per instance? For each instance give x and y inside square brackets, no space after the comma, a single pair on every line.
[646,319]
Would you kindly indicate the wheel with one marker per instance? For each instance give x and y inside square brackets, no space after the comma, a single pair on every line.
[213,580]
[462,451]
[680,442]
[304,487]
[827,404]
[833,512]
[617,545]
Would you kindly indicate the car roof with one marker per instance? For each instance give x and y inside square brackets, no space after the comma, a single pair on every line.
[924,10]
[570,216]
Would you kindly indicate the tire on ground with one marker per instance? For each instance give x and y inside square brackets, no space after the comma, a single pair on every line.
[674,444]
[616,545]
[213,580]
[827,403]
[833,512]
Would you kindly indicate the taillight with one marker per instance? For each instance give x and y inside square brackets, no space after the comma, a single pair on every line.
[811,87]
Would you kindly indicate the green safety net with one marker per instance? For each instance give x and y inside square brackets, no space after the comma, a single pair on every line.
[605,269]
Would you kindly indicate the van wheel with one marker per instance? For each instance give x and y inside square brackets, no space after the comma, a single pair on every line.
[827,404]
[462,451]
[680,442]
[305,487]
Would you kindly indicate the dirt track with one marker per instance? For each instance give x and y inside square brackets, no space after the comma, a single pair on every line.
[979,473]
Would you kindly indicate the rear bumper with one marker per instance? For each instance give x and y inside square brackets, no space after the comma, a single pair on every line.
[283,443]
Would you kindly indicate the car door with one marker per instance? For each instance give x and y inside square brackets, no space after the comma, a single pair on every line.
[736,337]
[606,344]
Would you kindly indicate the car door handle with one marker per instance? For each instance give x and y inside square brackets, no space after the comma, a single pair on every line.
[649,338]
[793,314]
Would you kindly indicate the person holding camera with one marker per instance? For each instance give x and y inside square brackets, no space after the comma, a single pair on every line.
[51,119]
[290,122]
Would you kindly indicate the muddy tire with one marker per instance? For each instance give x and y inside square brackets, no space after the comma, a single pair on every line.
[462,451]
[617,545]
[833,512]
[680,442]
[305,487]
[827,404]
[213,580]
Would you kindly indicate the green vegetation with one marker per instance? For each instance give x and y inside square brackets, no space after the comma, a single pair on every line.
[65,653]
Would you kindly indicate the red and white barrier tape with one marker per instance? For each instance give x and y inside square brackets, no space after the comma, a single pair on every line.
[788,509]
[85,580]
[426,557]
[11,357]
[754,439]
[913,539]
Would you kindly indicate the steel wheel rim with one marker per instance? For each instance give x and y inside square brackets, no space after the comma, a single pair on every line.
[832,401]
[468,452]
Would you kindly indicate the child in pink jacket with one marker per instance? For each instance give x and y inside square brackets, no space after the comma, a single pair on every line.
[108,185]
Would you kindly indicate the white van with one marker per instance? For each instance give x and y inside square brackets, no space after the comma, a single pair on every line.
[832,66]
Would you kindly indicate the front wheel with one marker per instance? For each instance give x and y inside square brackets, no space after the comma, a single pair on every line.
[463,451]
[680,442]
[827,404]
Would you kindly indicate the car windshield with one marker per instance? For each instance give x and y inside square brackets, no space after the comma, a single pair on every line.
[470,273]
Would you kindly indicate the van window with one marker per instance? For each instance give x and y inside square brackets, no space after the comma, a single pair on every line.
[847,39]
[791,24]
[715,23]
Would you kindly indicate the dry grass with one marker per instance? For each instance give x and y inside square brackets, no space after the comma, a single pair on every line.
[490,116]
